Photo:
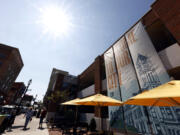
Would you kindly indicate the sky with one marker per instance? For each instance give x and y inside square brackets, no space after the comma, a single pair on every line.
[64,34]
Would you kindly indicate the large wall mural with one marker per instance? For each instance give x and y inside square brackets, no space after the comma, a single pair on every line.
[116,120]
[150,70]
[138,68]
[135,116]
[151,73]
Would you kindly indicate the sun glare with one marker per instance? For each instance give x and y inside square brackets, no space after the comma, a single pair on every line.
[55,21]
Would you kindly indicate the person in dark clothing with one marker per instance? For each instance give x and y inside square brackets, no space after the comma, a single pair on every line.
[11,119]
[43,115]
[5,123]
[38,113]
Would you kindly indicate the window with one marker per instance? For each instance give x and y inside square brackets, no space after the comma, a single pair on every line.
[2,56]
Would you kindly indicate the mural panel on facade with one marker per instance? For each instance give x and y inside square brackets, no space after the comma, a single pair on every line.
[135,118]
[151,73]
[116,120]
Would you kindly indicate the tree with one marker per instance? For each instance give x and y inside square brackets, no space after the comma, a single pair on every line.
[58,96]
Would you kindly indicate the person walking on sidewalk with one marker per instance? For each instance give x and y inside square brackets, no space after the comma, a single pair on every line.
[28,115]
[42,116]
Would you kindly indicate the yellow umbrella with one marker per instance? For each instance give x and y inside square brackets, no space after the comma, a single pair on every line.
[167,94]
[71,102]
[99,100]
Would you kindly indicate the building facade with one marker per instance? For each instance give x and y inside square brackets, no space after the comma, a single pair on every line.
[10,66]
[15,93]
[26,100]
[144,57]
[62,86]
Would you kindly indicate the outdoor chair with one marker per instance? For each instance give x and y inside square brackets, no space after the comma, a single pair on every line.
[83,128]
[51,123]
[67,129]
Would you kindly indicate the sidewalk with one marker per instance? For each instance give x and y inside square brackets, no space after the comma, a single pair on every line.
[32,127]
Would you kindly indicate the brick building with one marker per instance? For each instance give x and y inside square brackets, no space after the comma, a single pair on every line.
[10,66]
[162,25]
[61,83]
[15,93]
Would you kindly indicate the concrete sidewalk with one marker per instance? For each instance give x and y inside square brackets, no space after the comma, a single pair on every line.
[32,127]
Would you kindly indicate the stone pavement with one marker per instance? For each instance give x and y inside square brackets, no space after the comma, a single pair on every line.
[32,127]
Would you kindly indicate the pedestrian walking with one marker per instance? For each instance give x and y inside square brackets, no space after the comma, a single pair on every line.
[11,120]
[28,116]
[38,113]
[42,116]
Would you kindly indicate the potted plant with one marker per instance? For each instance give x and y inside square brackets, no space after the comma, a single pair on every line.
[92,125]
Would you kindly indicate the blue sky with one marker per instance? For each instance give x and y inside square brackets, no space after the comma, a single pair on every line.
[96,24]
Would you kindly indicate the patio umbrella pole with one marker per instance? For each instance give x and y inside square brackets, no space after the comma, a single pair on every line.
[99,100]
[149,122]
[100,120]
[72,102]
[75,124]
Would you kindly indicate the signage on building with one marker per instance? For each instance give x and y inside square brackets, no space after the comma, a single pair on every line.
[142,71]
[151,73]
[126,73]
[116,120]
[129,87]
[150,70]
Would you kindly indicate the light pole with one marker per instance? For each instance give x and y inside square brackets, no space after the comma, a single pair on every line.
[26,89]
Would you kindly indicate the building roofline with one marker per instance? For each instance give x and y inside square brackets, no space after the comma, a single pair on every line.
[117,40]
[12,48]
[17,50]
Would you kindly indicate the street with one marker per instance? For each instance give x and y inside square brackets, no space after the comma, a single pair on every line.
[32,128]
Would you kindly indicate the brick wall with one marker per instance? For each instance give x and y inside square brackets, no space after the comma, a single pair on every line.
[169,13]
[10,67]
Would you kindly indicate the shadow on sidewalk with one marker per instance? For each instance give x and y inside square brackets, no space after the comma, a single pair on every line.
[14,127]
[41,128]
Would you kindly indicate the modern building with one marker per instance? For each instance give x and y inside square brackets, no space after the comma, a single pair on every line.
[162,25]
[62,86]
[144,57]
[15,93]
[93,81]
[10,66]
